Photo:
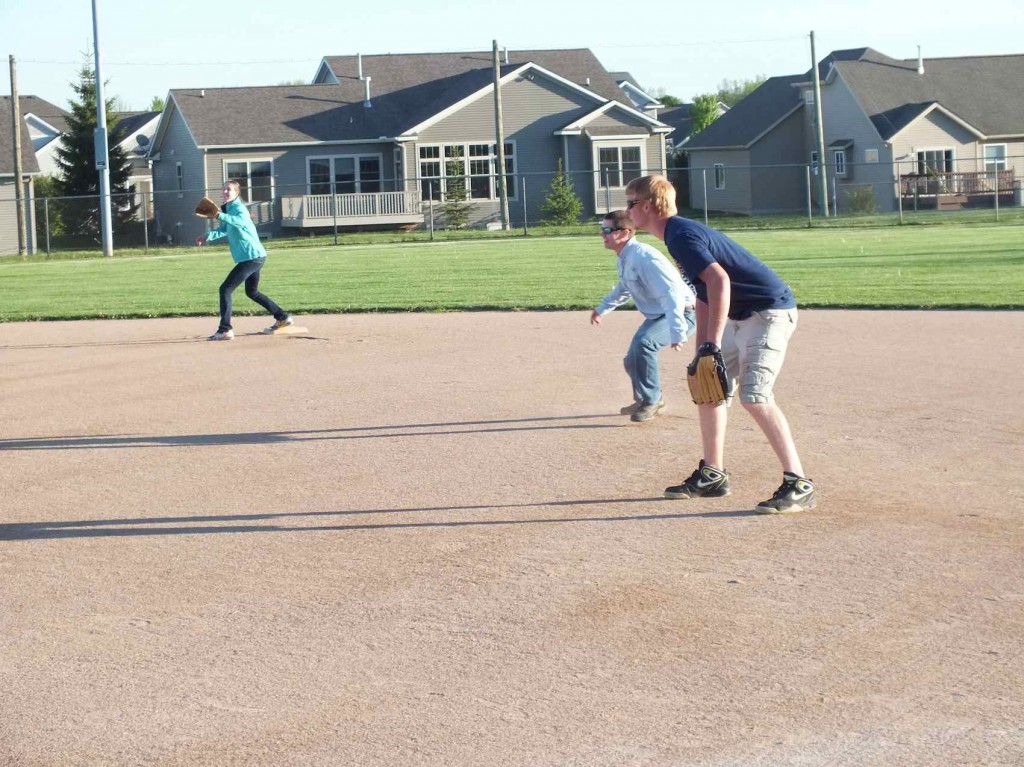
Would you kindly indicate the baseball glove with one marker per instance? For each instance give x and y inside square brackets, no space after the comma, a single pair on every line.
[706,376]
[207,208]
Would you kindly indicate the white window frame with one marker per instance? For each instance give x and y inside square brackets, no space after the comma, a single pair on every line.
[719,175]
[442,159]
[247,196]
[180,174]
[943,149]
[994,164]
[355,162]
[839,160]
[618,145]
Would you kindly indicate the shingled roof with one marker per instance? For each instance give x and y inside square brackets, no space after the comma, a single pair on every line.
[752,116]
[405,90]
[28,157]
[980,90]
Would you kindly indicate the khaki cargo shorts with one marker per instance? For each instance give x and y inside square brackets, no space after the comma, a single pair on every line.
[753,350]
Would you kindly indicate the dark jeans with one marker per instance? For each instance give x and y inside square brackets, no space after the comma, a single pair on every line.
[249,273]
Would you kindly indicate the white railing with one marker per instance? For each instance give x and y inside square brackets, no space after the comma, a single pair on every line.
[327,206]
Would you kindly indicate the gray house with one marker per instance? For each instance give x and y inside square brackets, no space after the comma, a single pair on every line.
[937,133]
[29,170]
[375,139]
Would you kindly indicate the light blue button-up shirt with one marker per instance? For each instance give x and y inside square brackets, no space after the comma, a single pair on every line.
[655,286]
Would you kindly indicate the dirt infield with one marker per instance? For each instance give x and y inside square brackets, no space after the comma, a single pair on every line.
[431,540]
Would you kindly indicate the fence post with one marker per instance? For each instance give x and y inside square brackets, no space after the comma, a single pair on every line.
[334,211]
[607,193]
[430,207]
[810,204]
[145,223]
[46,215]
[995,172]
[704,173]
[899,194]
[526,230]
[835,208]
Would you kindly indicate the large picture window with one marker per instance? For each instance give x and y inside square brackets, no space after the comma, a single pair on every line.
[618,165]
[475,164]
[345,174]
[255,179]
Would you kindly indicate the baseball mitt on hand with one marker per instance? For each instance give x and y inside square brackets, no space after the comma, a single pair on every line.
[207,208]
[706,376]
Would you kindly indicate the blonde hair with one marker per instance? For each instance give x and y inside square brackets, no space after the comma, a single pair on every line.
[231,182]
[658,190]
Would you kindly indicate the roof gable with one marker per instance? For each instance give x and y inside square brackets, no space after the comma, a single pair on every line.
[752,117]
[29,166]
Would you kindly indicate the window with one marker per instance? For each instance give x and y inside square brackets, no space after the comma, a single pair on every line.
[933,161]
[345,174]
[814,163]
[840,161]
[870,155]
[399,176]
[181,179]
[618,165]
[809,97]
[475,164]
[254,177]
[719,175]
[995,157]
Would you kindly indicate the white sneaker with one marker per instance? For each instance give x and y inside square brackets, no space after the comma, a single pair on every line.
[280,324]
[222,335]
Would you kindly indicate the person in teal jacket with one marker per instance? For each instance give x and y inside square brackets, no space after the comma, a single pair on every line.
[249,256]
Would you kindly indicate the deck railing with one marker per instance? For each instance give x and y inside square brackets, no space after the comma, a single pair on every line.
[969,183]
[323,207]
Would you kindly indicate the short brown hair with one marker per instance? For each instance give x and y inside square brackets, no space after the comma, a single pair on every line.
[620,220]
[658,189]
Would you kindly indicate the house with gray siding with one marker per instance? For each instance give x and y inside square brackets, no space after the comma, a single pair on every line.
[378,141]
[938,133]
[8,183]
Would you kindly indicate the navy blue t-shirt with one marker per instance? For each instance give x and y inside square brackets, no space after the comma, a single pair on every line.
[754,286]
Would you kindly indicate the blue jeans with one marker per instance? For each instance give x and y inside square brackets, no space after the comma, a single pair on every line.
[641,361]
[249,273]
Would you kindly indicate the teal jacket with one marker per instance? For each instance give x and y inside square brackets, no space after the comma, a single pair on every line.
[236,224]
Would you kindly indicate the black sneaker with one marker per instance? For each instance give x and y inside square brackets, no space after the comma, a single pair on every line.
[706,482]
[795,494]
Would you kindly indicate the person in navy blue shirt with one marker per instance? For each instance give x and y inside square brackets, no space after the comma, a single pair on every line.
[746,313]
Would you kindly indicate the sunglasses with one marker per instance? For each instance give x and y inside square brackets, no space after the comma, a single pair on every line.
[631,203]
[610,229]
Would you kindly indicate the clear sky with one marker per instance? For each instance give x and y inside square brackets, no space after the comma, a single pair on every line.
[149,47]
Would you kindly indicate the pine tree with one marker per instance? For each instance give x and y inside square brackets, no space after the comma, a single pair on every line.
[562,206]
[76,164]
[456,209]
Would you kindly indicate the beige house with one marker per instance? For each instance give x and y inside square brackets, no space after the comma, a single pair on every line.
[29,170]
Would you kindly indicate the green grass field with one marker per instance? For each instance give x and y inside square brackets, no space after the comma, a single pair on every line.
[953,266]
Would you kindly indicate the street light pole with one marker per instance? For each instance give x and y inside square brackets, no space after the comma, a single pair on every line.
[100,140]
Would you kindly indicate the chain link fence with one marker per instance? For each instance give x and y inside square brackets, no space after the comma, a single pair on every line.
[723,195]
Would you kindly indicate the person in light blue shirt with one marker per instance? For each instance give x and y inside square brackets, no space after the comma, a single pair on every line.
[249,255]
[661,295]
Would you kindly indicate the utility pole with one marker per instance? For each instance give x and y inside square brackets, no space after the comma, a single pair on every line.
[499,130]
[19,189]
[820,131]
[100,140]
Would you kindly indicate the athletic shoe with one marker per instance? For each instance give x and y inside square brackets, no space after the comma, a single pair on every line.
[795,494]
[279,324]
[630,409]
[706,482]
[222,335]
[647,411]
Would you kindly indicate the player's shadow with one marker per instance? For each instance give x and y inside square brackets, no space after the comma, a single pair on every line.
[116,441]
[82,344]
[256,523]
